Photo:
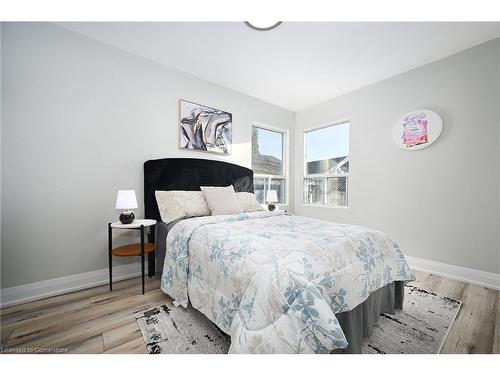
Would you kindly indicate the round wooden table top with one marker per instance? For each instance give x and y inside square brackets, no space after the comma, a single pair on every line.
[133,249]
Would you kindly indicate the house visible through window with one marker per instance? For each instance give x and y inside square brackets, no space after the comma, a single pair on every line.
[268,163]
[326,166]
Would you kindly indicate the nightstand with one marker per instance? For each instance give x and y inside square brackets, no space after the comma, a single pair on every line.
[136,249]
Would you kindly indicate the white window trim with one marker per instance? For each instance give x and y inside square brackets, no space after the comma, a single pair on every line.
[324,176]
[286,165]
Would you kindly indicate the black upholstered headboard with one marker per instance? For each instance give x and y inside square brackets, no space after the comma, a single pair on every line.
[190,174]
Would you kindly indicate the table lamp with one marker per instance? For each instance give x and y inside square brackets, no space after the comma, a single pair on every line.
[271,197]
[126,200]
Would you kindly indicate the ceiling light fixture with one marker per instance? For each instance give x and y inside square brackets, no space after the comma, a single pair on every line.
[263,26]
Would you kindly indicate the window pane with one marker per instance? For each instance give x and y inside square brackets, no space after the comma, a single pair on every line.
[336,191]
[267,151]
[313,190]
[327,149]
[278,184]
[259,188]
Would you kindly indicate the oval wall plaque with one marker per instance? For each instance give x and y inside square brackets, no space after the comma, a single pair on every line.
[417,129]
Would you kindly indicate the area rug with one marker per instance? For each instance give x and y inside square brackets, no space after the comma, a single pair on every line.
[167,329]
[420,328]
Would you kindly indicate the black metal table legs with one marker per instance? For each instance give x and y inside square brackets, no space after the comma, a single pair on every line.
[151,257]
[110,249]
[142,257]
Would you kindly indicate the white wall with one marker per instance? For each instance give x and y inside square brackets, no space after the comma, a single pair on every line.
[1,121]
[441,203]
[79,120]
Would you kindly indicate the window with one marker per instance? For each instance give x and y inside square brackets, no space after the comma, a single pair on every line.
[326,166]
[268,163]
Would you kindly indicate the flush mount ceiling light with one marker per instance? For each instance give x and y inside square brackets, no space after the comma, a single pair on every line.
[263,26]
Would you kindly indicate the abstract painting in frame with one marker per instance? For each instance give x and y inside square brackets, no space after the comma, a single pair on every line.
[203,128]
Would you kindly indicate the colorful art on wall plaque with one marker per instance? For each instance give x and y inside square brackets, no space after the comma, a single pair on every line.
[417,129]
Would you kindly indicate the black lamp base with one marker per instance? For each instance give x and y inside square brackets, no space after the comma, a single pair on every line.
[127,217]
[271,207]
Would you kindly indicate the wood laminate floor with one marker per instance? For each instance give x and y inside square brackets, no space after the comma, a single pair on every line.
[98,321]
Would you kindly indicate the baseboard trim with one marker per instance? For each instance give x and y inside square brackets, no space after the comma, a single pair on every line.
[61,285]
[66,284]
[487,279]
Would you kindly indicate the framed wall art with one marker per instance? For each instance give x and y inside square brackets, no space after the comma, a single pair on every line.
[417,129]
[203,128]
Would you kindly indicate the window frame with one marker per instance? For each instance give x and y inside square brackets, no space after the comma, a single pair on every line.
[268,177]
[325,176]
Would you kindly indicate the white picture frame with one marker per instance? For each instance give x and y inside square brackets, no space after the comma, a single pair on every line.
[417,129]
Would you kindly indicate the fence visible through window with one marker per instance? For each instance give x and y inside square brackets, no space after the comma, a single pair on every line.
[326,165]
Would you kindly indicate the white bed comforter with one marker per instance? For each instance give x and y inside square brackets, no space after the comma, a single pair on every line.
[274,281]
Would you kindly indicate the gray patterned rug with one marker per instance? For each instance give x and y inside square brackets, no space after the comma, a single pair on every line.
[420,328]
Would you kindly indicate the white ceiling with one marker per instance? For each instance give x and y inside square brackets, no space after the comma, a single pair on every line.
[297,65]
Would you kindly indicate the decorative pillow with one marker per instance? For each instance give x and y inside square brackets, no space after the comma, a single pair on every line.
[248,202]
[179,204]
[221,200]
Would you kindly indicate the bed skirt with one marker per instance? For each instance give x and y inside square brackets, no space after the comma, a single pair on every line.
[358,323]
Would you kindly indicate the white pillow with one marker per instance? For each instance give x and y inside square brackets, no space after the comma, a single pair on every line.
[248,202]
[221,200]
[179,204]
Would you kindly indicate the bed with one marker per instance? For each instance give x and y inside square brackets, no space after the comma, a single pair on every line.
[274,282]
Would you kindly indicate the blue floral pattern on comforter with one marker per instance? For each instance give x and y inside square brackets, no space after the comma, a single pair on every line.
[275,281]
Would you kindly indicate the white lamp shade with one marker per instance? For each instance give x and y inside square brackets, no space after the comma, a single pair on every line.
[271,196]
[126,199]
